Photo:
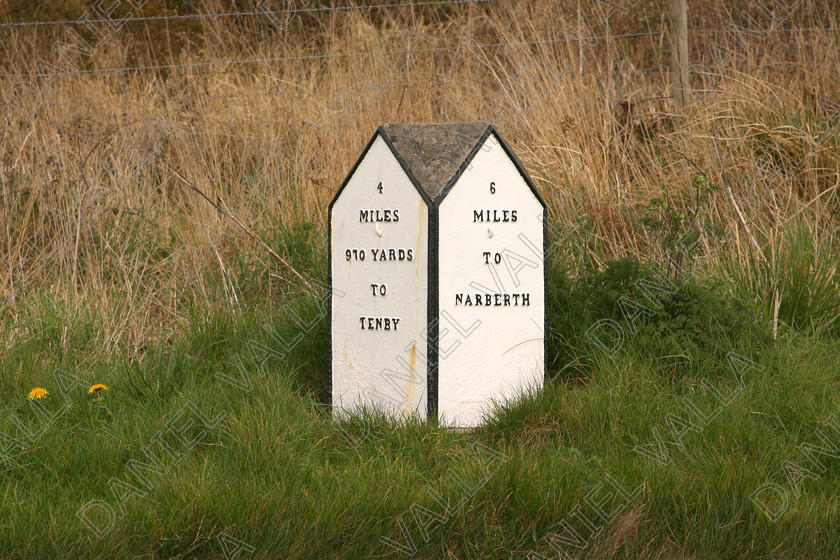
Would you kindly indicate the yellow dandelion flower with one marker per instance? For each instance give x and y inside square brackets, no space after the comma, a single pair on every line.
[97,388]
[38,393]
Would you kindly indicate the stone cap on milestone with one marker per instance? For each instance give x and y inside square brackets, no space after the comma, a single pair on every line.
[433,153]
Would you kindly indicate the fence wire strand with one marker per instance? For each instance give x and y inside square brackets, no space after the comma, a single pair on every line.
[244,14]
[213,63]
[209,64]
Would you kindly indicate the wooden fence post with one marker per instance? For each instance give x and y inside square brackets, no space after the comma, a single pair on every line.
[679,54]
[580,40]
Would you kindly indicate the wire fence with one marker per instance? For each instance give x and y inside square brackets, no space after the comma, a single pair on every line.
[279,93]
[213,63]
[293,11]
[219,66]
[339,91]
[247,14]
[313,57]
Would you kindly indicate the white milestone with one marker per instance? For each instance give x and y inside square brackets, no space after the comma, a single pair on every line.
[437,244]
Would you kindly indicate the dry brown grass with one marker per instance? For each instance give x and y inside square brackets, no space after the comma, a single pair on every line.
[92,210]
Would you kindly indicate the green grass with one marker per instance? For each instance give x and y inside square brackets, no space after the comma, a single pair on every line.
[798,272]
[275,472]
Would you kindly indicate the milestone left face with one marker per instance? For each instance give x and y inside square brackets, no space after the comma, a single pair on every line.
[379,267]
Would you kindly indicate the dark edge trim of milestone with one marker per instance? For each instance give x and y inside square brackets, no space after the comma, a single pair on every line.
[545,293]
[432,330]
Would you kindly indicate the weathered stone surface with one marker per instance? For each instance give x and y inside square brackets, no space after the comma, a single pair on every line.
[434,152]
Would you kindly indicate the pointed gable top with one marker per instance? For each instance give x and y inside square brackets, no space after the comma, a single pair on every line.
[434,152]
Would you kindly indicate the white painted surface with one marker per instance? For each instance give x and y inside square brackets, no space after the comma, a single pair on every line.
[505,353]
[374,367]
